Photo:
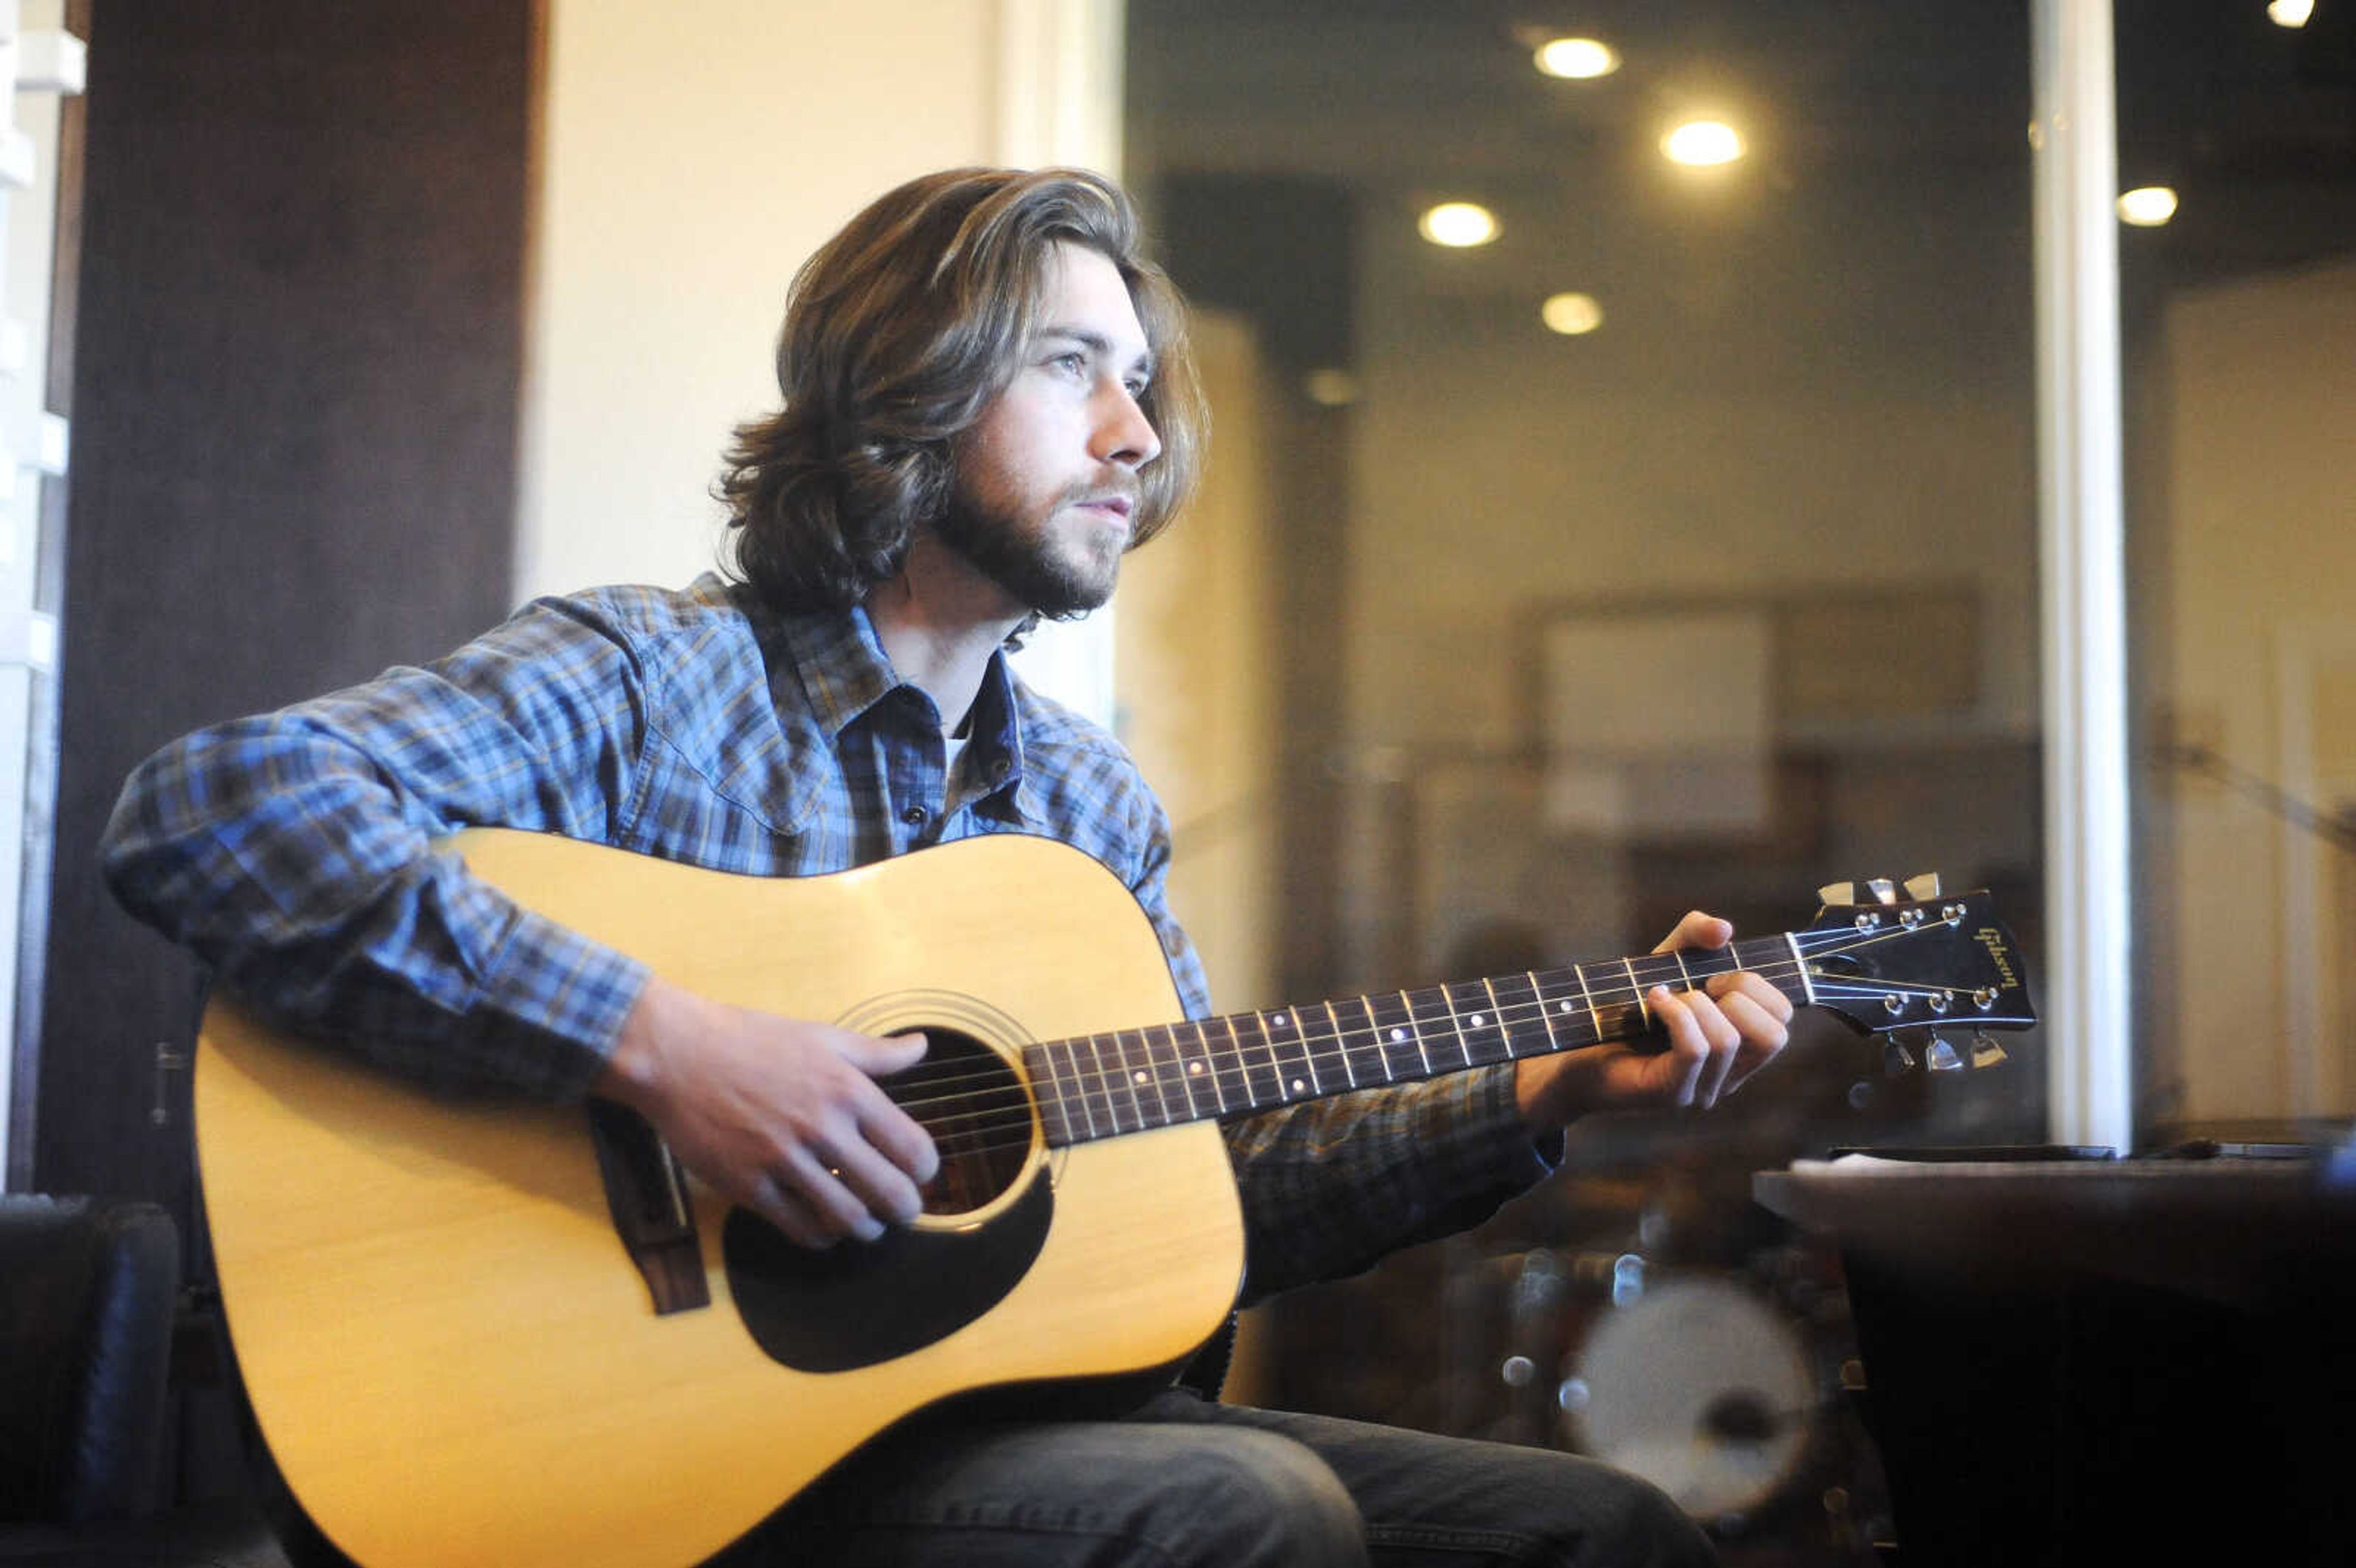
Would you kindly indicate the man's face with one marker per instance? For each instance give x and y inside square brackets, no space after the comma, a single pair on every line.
[1046,484]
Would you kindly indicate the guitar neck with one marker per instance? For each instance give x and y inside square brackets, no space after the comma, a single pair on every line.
[1102,1085]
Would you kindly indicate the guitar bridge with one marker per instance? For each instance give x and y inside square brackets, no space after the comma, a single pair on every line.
[646,1193]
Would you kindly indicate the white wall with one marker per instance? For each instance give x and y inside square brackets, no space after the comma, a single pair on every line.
[693,154]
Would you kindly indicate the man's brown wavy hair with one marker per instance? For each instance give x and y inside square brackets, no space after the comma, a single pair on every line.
[898,333]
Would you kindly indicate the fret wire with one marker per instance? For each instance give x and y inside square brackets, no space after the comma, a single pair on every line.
[1508,1005]
[1209,1065]
[1270,1072]
[1342,1045]
[1371,1035]
[1638,985]
[1594,1014]
[1168,1039]
[1497,1017]
[1140,1078]
[1288,1021]
[1275,1069]
[1134,1079]
[1105,1080]
[1554,1040]
[1191,1072]
[1393,1037]
[1080,1086]
[1039,1065]
[1434,1015]
[1553,1005]
[1415,1027]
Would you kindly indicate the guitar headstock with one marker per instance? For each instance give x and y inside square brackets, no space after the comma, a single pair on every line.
[1915,966]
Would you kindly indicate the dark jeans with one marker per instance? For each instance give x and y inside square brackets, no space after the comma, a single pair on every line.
[1185,1481]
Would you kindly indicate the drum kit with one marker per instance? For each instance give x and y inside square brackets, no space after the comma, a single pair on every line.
[1720,1383]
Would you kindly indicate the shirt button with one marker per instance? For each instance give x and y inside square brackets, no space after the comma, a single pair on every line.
[915,816]
[999,767]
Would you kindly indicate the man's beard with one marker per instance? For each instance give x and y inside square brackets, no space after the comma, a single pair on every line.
[1020,555]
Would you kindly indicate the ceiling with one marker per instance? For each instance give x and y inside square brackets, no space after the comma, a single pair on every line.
[1401,101]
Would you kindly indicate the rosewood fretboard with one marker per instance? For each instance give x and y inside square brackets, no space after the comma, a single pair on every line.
[1101,1085]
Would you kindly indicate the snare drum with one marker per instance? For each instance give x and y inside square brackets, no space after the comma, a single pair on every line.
[1702,1388]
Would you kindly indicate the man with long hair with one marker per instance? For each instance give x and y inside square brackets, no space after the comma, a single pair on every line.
[987,401]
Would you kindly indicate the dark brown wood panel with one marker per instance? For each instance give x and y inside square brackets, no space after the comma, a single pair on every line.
[302,300]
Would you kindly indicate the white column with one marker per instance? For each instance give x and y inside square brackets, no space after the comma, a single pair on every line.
[2086,1004]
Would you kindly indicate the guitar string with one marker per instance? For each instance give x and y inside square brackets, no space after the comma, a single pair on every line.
[1321,1051]
[999,1129]
[1322,1048]
[1617,994]
[1009,1125]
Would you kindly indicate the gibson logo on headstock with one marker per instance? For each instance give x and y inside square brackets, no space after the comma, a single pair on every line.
[2000,954]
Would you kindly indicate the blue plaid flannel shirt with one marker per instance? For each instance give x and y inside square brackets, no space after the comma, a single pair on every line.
[293,853]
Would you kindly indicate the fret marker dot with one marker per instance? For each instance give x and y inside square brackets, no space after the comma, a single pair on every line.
[1194,1067]
[1278,1021]
[1399,1034]
[1564,1006]
[1478,1021]
[1141,1075]
[1298,1085]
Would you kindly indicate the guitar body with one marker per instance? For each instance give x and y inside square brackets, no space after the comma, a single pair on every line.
[447,1347]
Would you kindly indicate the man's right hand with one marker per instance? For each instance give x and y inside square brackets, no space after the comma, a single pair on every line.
[780,1115]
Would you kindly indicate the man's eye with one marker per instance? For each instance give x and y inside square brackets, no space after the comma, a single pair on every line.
[1136,389]
[1071,364]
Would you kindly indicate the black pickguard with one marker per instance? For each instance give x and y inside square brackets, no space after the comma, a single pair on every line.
[857,1304]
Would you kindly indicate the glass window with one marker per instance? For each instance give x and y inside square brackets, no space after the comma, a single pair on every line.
[1668,540]
[2238,303]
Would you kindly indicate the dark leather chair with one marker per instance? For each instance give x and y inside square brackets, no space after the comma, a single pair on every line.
[88,1295]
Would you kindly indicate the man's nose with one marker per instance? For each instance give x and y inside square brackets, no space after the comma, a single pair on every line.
[1124,436]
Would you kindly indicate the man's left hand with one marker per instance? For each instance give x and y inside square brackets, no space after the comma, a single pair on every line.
[1719,1035]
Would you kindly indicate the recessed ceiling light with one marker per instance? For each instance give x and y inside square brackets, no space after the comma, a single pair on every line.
[1703,141]
[1578,59]
[2290,13]
[1458,224]
[2148,206]
[1571,314]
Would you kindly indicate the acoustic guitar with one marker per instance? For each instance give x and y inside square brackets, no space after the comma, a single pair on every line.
[478,1333]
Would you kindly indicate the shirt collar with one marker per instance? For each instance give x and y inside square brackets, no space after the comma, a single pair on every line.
[845,673]
[840,664]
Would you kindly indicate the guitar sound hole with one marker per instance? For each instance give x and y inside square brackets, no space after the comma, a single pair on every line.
[979,1114]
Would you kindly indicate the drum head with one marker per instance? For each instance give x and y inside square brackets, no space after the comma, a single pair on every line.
[1700,1388]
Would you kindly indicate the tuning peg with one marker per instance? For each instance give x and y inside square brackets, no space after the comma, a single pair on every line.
[1837,893]
[1922,885]
[1898,1057]
[1883,890]
[1941,1057]
[1985,1052]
